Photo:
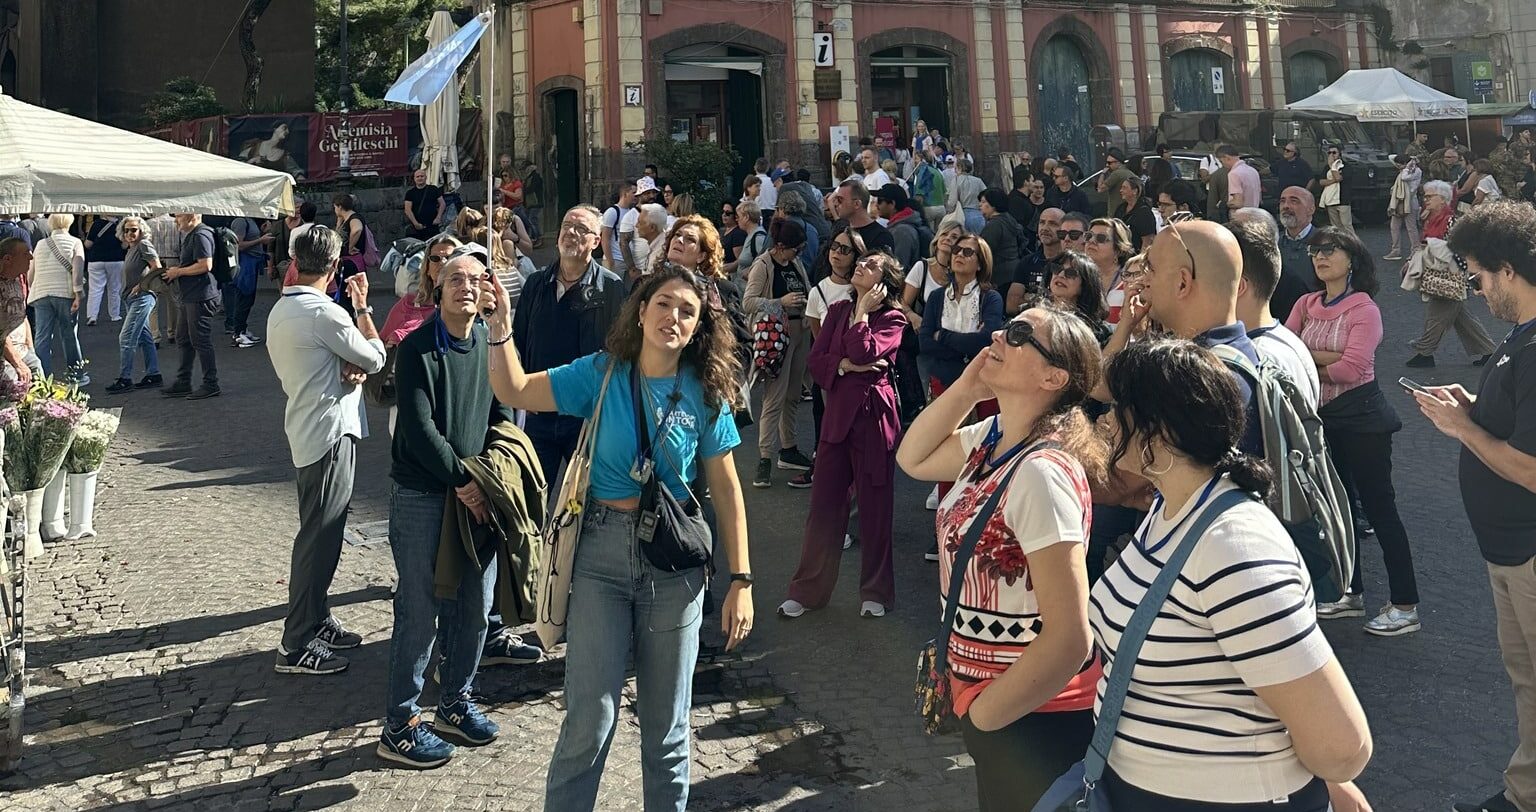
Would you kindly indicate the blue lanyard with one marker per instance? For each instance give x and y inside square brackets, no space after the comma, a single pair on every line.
[1141,540]
[1518,329]
[989,443]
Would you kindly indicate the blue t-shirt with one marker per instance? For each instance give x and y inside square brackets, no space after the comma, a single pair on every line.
[1236,336]
[693,431]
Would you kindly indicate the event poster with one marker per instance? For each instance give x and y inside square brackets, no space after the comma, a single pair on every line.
[273,142]
[378,144]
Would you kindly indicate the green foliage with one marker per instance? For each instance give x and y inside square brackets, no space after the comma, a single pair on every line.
[701,169]
[182,99]
[378,32]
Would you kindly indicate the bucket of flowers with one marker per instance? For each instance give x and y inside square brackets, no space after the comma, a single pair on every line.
[36,442]
[83,463]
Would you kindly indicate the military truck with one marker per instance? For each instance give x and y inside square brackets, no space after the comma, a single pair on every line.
[1369,171]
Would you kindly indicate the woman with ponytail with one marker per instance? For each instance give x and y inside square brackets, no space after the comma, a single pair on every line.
[1021,672]
[1236,700]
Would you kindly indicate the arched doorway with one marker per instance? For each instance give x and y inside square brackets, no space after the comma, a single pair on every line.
[908,83]
[715,95]
[562,116]
[1195,75]
[1066,100]
[1307,72]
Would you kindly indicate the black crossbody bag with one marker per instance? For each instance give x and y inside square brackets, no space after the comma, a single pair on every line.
[674,535]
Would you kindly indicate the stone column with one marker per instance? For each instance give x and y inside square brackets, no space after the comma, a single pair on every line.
[1126,70]
[1018,69]
[1151,48]
[1253,56]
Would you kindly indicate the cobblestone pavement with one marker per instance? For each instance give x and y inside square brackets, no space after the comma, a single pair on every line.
[152,645]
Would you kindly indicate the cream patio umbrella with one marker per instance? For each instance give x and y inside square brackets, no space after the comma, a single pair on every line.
[440,118]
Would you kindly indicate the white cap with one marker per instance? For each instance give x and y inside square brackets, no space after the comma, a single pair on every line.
[645,184]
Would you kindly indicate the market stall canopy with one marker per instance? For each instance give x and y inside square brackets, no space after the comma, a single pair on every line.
[1383,94]
[55,162]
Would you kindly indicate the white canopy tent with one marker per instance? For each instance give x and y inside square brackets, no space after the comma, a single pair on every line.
[1385,95]
[440,119]
[55,162]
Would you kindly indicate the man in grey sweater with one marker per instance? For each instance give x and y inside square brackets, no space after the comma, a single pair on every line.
[321,357]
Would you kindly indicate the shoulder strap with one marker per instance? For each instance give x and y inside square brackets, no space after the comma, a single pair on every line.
[968,547]
[1135,634]
[591,425]
[1235,359]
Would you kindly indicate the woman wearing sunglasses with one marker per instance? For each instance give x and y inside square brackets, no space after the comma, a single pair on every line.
[1021,668]
[1341,325]
[856,453]
[1108,244]
[731,235]
[1076,287]
[414,309]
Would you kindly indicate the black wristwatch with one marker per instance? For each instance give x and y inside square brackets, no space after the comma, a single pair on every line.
[744,577]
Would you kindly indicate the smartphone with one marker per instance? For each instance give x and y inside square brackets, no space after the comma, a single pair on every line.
[1413,386]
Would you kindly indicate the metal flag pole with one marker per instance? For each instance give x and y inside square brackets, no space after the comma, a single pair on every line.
[489,106]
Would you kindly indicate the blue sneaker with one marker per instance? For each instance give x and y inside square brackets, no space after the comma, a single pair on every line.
[414,745]
[463,721]
[506,648]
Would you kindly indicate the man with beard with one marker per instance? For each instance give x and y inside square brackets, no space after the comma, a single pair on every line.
[1297,206]
[1036,268]
[1497,431]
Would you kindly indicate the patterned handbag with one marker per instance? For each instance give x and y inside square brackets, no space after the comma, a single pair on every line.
[934,702]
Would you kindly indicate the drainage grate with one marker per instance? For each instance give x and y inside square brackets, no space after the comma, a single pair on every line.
[369,534]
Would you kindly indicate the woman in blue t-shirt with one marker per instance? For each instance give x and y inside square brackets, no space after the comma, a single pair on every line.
[685,354]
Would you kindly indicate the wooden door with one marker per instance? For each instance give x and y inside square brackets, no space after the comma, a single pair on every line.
[1194,85]
[1066,103]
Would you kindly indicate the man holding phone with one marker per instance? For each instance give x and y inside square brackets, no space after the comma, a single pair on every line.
[1497,430]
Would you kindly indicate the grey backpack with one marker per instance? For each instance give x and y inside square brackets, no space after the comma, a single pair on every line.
[1308,491]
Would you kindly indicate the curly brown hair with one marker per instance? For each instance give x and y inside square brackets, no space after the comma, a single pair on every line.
[711,353]
[713,262]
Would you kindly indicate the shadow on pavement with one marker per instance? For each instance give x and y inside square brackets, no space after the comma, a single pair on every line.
[42,654]
[296,781]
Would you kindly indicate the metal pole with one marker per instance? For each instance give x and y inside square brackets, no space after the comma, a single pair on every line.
[489,106]
[344,165]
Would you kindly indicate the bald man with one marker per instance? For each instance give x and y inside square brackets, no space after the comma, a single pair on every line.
[1034,269]
[1193,271]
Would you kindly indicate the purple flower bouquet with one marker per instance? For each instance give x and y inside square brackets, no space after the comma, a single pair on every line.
[41,433]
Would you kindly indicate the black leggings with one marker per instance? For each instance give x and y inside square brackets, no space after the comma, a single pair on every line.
[1365,464]
[1016,765]
[1311,798]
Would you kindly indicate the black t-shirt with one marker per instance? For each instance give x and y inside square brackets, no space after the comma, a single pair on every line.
[195,246]
[732,243]
[1140,220]
[1021,207]
[425,202]
[1034,269]
[1502,513]
[1528,191]
[877,236]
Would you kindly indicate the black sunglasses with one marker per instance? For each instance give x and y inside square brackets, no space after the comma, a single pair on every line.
[1018,333]
[1073,235]
[1321,250]
[841,248]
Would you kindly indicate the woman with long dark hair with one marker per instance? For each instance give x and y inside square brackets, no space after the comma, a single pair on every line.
[1075,285]
[1341,325]
[856,453]
[679,354]
[835,270]
[1021,667]
[1236,702]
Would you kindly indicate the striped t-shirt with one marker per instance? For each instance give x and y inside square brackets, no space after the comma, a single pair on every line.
[1240,616]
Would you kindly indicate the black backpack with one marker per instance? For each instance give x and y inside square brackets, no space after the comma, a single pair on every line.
[226,254]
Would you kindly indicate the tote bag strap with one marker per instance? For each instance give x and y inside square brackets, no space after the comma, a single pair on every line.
[967,548]
[1136,633]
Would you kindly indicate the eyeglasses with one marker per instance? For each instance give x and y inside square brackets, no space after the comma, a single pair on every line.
[130,231]
[1147,267]
[727,214]
[1101,239]
[460,280]
[841,248]
[1321,250]
[1018,333]
[1289,151]
[578,229]
[1333,152]
[1111,162]
[964,251]
[1068,272]
[1074,235]
[1167,204]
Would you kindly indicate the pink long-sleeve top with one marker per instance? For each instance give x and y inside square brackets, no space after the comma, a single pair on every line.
[857,396]
[1351,327]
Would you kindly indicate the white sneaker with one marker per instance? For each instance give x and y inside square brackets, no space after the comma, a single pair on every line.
[791,608]
[1347,606]
[871,609]
[933,499]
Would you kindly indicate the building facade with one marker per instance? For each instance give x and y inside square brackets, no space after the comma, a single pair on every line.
[103,59]
[1479,50]
[775,77]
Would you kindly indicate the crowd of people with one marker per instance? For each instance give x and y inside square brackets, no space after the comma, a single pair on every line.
[1083,391]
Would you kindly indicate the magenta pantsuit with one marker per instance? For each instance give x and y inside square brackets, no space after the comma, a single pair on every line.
[857,451]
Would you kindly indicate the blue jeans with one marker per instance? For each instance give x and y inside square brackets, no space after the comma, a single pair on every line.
[619,603]
[135,335]
[237,302]
[56,322]
[415,524]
